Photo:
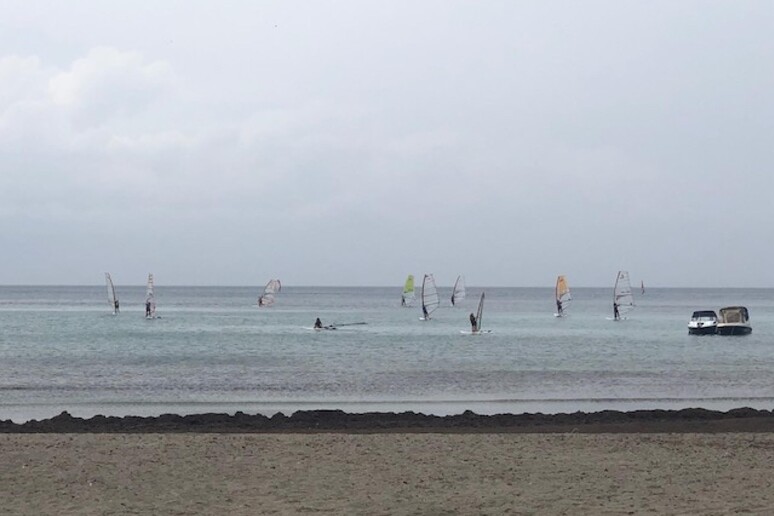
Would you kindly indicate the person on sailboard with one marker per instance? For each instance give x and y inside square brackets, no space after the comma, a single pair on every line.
[424,313]
[558,307]
[147,309]
[616,315]
[116,306]
[473,323]
[402,300]
[318,324]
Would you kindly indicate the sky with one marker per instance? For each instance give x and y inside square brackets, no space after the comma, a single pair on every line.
[352,143]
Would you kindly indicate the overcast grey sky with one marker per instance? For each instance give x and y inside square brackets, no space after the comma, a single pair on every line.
[352,143]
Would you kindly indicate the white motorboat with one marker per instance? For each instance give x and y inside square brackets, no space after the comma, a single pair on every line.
[703,322]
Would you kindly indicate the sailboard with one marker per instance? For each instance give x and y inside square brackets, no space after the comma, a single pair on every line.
[272,288]
[458,292]
[479,319]
[111,292]
[622,294]
[563,296]
[408,297]
[430,299]
[334,326]
[150,299]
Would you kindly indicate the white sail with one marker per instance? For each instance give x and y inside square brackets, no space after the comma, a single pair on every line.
[477,320]
[430,299]
[562,295]
[150,299]
[480,312]
[408,297]
[270,291]
[622,293]
[111,291]
[458,292]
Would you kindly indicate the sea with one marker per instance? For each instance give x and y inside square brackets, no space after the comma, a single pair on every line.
[212,349]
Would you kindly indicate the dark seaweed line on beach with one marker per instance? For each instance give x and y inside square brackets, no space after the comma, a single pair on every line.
[694,420]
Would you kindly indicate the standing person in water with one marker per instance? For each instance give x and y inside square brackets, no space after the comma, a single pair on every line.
[473,323]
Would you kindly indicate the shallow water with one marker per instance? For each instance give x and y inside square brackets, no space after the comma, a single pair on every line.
[213,349]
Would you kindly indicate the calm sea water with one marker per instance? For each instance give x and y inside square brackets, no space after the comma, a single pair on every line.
[213,349]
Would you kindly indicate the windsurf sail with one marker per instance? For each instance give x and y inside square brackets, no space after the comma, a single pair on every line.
[150,299]
[408,296]
[430,299]
[458,292]
[563,295]
[622,293]
[111,292]
[480,312]
[272,288]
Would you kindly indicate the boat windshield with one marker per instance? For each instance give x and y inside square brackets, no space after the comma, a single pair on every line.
[706,315]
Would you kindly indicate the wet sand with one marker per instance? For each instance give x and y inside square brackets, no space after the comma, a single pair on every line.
[463,470]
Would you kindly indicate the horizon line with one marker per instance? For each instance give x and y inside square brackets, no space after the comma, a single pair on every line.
[140,285]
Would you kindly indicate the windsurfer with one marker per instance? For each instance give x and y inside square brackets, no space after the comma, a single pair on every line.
[116,305]
[424,313]
[147,309]
[616,315]
[318,324]
[473,323]
[403,300]
[558,307]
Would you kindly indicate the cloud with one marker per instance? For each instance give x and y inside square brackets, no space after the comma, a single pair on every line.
[107,83]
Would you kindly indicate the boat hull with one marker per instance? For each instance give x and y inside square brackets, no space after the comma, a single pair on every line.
[702,330]
[733,329]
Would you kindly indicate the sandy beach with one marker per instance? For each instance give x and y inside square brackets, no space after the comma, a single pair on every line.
[392,473]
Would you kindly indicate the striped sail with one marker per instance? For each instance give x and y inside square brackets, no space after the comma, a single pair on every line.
[270,291]
[458,292]
[430,299]
[408,295]
[480,312]
[622,293]
[150,299]
[111,292]
[563,294]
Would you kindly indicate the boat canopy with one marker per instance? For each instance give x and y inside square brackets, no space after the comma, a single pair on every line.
[734,314]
